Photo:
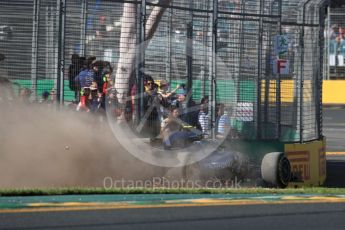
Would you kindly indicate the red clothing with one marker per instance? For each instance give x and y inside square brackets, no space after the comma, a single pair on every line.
[105,87]
[134,91]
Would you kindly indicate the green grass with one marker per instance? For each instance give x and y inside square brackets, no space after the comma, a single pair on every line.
[89,191]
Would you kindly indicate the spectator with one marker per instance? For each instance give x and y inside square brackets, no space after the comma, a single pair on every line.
[224,124]
[53,95]
[151,109]
[107,82]
[342,33]
[147,80]
[110,95]
[102,67]
[172,130]
[334,33]
[219,113]
[24,95]
[45,97]
[204,117]
[102,28]
[95,98]
[86,78]
[189,111]
[164,95]
[83,63]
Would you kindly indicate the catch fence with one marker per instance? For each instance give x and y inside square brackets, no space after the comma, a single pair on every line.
[261,59]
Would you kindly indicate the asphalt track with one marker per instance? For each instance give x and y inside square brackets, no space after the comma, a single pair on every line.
[334,131]
[316,213]
[334,128]
[289,216]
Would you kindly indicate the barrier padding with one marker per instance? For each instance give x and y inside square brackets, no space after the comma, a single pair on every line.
[308,162]
[333,92]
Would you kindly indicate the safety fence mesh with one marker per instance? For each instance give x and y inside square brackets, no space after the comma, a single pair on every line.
[257,61]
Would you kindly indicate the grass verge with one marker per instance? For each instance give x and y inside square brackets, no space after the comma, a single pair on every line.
[91,191]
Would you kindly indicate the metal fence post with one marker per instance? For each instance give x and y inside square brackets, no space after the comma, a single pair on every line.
[213,71]
[318,99]
[259,115]
[278,82]
[61,52]
[268,72]
[83,29]
[206,58]
[51,44]
[189,53]
[301,85]
[328,42]
[141,64]
[169,58]
[34,58]
[241,41]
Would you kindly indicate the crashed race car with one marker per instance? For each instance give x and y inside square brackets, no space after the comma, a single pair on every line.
[208,159]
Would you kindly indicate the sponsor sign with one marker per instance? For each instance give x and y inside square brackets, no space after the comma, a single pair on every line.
[308,162]
[281,66]
[244,111]
[281,45]
[300,164]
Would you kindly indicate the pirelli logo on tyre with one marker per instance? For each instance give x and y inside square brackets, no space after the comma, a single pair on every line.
[300,164]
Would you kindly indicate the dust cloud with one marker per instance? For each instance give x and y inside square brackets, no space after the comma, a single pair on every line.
[43,147]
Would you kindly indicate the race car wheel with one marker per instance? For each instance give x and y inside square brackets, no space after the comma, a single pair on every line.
[276,169]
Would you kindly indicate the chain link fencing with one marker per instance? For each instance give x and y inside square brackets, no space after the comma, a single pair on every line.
[258,61]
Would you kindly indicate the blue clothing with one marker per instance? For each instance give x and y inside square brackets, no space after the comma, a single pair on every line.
[176,137]
[223,124]
[85,78]
[95,104]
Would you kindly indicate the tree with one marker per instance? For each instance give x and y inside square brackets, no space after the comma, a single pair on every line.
[128,44]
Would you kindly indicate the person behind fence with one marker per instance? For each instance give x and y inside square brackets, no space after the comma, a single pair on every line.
[110,94]
[107,82]
[204,117]
[172,130]
[45,97]
[166,97]
[334,32]
[106,71]
[24,95]
[103,67]
[98,70]
[151,109]
[86,79]
[188,112]
[224,124]
[53,95]
[95,98]
[219,113]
